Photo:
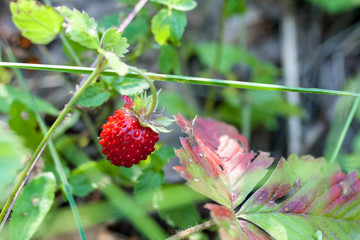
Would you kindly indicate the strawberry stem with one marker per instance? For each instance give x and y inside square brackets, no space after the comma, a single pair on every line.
[152,88]
[21,182]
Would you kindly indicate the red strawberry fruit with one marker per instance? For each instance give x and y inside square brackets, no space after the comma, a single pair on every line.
[130,134]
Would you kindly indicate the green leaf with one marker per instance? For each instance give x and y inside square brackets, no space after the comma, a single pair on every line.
[113,42]
[33,204]
[12,160]
[160,157]
[8,94]
[148,183]
[181,5]
[108,21]
[182,217]
[80,27]
[130,86]
[5,75]
[169,60]
[115,63]
[235,7]
[337,6]
[138,29]
[39,23]
[168,26]
[24,123]
[81,185]
[94,96]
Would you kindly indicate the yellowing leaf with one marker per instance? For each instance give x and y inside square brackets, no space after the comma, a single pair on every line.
[39,23]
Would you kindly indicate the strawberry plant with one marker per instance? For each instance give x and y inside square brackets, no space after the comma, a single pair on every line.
[103,159]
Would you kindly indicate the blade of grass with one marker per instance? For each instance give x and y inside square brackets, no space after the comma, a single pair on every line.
[181,79]
[53,152]
[349,119]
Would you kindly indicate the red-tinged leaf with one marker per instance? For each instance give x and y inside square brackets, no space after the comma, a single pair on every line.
[303,196]
[216,161]
[232,229]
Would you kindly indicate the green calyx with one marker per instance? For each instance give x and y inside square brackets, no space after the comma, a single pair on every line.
[140,107]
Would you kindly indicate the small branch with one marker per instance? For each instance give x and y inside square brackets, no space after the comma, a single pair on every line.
[42,145]
[132,15]
[192,230]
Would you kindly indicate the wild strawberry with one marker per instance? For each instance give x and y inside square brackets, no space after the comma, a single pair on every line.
[130,134]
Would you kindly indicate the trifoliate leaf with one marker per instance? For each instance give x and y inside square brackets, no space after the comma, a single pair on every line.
[130,86]
[302,197]
[94,96]
[80,27]
[181,5]
[31,207]
[168,26]
[39,23]
[115,63]
[113,42]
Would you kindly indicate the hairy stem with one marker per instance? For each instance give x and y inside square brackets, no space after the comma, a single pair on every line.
[152,88]
[132,15]
[192,230]
[47,137]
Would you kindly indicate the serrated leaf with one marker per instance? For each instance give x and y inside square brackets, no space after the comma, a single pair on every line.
[115,63]
[12,160]
[94,96]
[181,5]
[230,228]
[216,161]
[31,207]
[113,42]
[8,94]
[80,27]
[169,60]
[168,26]
[130,86]
[304,195]
[39,23]
[24,123]
[182,217]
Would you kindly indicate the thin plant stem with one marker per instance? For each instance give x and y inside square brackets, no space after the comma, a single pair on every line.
[152,88]
[53,153]
[132,15]
[186,233]
[182,79]
[339,143]
[46,138]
